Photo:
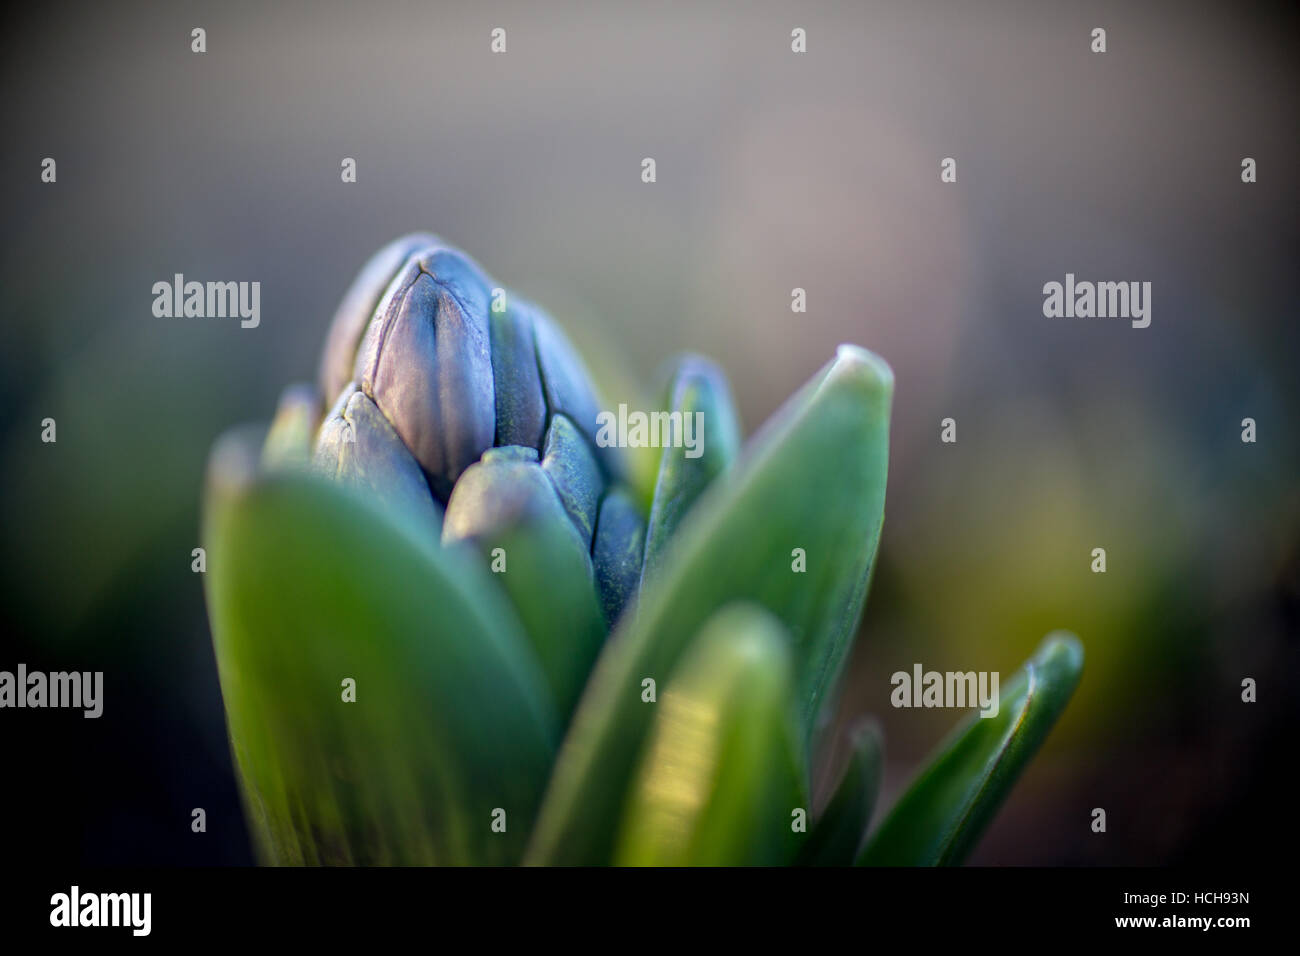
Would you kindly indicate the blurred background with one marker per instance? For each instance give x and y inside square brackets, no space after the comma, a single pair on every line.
[775,171]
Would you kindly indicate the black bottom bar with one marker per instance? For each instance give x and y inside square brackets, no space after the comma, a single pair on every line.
[446,906]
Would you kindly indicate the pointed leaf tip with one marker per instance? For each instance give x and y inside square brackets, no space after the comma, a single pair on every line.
[837,835]
[235,461]
[697,391]
[942,815]
[863,363]
[289,440]
[794,528]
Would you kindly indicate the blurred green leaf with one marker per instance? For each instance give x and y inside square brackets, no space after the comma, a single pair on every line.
[946,810]
[719,777]
[813,479]
[289,440]
[836,836]
[310,585]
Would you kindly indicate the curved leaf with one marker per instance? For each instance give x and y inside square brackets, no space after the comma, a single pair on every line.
[814,479]
[837,835]
[946,810]
[719,779]
[309,586]
[289,440]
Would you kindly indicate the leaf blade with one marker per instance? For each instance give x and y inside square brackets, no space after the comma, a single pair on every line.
[837,835]
[307,585]
[719,777]
[943,813]
[697,388]
[737,547]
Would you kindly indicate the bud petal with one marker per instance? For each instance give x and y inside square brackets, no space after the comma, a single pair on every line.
[505,504]
[571,466]
[357,308]
[426,364]
[568,389]
[616,552]
[358,446]
[520,404]
[506,487]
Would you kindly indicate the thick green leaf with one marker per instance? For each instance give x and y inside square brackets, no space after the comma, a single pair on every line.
[813,479]
[836,836]
[699,396]
[506,505]
[946,810]
[719,780]
[309,586]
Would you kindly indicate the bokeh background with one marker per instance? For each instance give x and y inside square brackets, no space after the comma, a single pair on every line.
[775,170]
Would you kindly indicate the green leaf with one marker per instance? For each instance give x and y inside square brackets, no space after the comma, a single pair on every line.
[943,814]
[506,502]
[814,478]
[698,393]
[719,779]
[836,836]
[309,586]
[289,440]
